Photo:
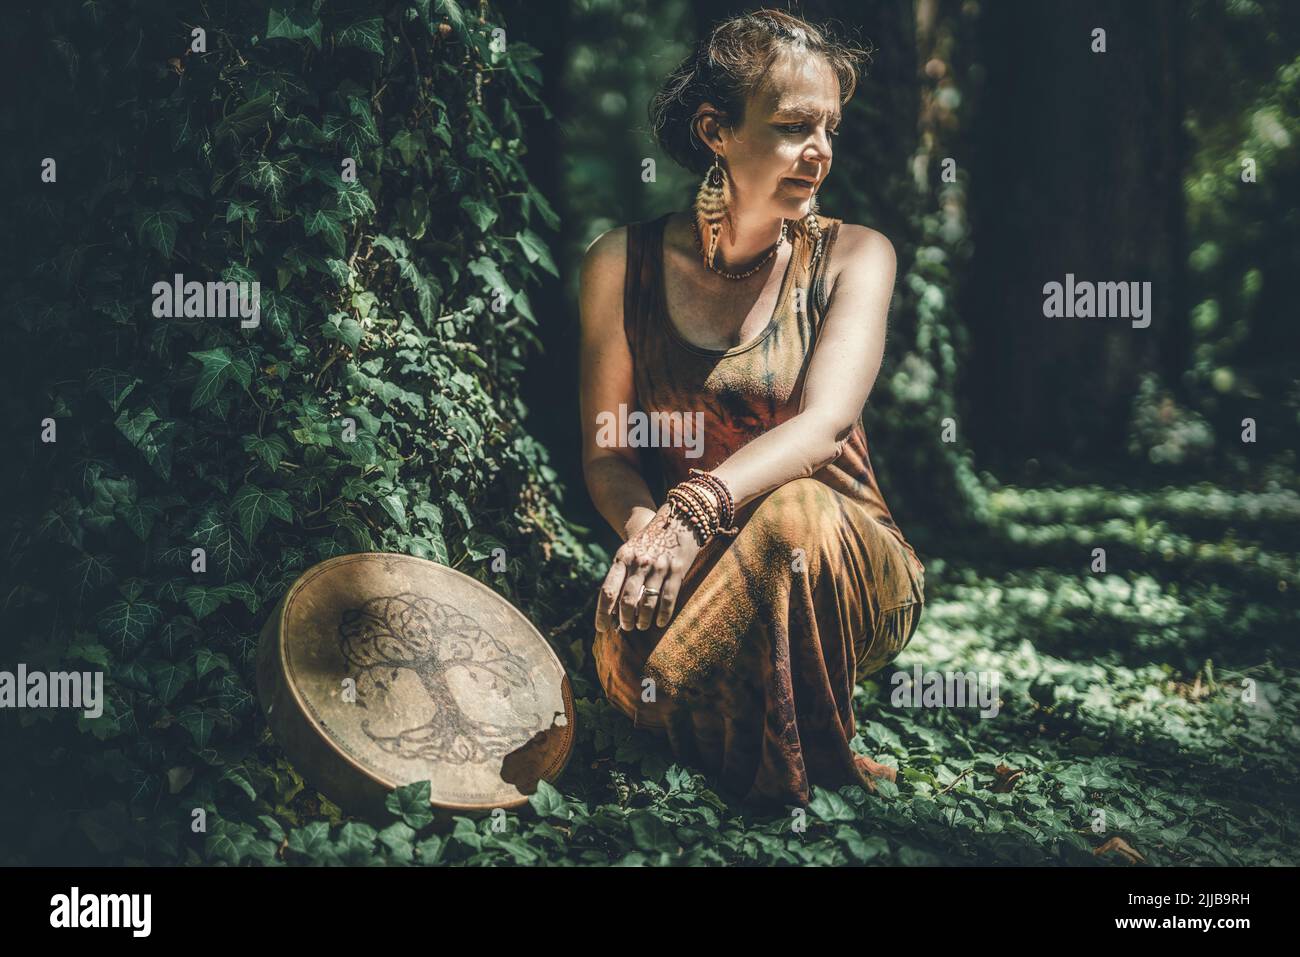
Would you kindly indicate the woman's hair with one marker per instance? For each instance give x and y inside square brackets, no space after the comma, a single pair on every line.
[728,66]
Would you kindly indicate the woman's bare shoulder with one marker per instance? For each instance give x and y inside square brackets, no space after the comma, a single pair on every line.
[856,240]
[860,248]
[600,280]
[606,251]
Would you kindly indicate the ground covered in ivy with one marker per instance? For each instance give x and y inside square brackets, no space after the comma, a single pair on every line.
[1147,716]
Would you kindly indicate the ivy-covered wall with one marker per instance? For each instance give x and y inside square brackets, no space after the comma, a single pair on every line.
[359,162]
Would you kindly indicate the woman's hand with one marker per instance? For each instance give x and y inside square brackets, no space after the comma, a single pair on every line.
[657,557]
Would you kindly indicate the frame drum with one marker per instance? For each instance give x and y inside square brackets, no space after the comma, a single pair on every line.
[377,670]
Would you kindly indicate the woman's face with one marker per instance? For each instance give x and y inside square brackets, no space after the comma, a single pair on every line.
[786,136]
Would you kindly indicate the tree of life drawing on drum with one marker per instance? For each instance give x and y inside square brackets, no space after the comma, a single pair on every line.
[436,641]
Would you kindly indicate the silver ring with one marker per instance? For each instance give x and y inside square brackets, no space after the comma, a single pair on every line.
[646,591]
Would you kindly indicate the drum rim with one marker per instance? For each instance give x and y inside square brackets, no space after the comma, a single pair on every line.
[553,770]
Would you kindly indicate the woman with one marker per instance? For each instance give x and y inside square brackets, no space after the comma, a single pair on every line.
[738,615]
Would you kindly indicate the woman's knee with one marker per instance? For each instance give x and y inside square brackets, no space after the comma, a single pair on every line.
[892,633]
[792,515]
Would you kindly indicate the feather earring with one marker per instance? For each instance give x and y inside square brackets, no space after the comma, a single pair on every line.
[711,205]
[814,228]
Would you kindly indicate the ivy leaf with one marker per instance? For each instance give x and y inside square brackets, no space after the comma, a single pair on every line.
[310,841]
[352,201]
[169,679]
[220,846]
[547,801]
[112,384]
[323,222]
[92,652]
[126,625]
[158,228]
[364,34]
[487,270]
[151,436]
[270,449]
[430,850]
[199,723]
[250,116]
[458,506]
[544,207]
[239,210]
[411,803]
[139,517]
[392,504]
[300,131]
[343,328]
[136,427]
[253,507]
[356,842]
[830,806]
[466,833]
[293,24]
[398,839]
[272,827]
[482,214]
[203,601]
[90,574]
[63,522]
[205,659]
[886,788]
[536,251]
[394,246]
[651,833]
[132,675]
[861,847]
[244,593]
[218,366]
[270,176]
[177,635]
[410,144]
[524,308]
[413,213]
[239,778]
[225,550]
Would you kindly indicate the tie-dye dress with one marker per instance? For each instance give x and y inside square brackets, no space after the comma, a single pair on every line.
[752,679]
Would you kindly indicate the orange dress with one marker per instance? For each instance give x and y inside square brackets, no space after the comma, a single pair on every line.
[753,678]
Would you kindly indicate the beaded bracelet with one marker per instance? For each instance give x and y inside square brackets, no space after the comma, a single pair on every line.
[703,504]
[685,510]
[707,515]
[725,500]
[701,514]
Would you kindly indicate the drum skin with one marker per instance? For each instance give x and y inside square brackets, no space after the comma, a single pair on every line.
[376,670]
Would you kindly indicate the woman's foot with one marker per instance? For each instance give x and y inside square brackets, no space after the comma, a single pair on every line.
[872,769]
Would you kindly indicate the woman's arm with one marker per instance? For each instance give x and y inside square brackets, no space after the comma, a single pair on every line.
[657,546]
[843,370]
[613,475]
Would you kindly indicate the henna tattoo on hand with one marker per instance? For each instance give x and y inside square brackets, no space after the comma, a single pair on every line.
[659,539]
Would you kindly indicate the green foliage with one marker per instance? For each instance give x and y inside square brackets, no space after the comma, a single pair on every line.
[375,406]
[1123,692]
[1243,128]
